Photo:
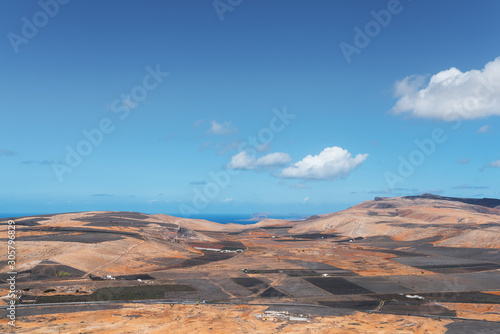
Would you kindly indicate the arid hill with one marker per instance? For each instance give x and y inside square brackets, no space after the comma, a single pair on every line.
[451,222]
[98,243]
[419,264]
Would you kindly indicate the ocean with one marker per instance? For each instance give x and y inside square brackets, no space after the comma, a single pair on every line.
[243,218]
[218,218]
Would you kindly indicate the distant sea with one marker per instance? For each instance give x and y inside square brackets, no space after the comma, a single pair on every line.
[13,215]
[218,218]
[242,218]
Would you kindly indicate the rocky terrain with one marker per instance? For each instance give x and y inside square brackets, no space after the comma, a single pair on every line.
[420,264]
[451,222]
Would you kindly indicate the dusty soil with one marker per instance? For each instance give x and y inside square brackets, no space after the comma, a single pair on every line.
[401,246]
[205,319]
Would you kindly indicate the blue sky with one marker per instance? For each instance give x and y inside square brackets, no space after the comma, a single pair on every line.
[281,106]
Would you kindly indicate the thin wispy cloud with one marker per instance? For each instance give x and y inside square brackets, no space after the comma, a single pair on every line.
[483,129]
[224,128]
[228,147]
[244,161]
[300,186]
[198,183]
[263,147]
[102,195]
[7,152]
[466,186]
[38,162]
[204,146]
[197,123]
[394,191]
[493,164]
[464,161]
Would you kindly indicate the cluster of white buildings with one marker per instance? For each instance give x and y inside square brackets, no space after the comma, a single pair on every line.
[281,316]
[219,250]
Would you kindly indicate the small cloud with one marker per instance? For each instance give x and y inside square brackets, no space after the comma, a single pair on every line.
[225,147]
[243,161]
[464,161]
[227,200]
[197,123]
[466,186]
[331,164]
[483,129]
[406,189]
[169,137]
[394,191]
[306,199]
[266,147]
[7,152]
[493,164]
[385,191]
[102,195]
[198,183]
[153,201]
[299,186]
[38,162]
[221,128]
[204,146]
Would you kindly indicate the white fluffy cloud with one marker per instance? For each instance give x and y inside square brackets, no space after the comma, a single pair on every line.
[331,164]
[243,160]
[451,94]
[273,159]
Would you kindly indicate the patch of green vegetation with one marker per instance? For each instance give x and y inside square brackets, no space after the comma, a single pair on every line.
[118,293]
[49,290]
[62,273]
